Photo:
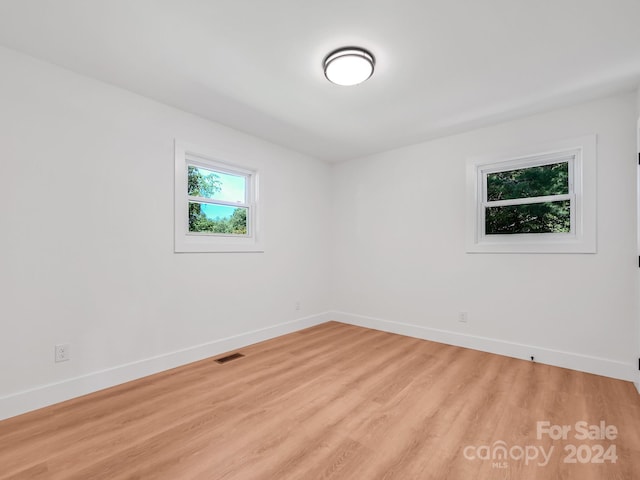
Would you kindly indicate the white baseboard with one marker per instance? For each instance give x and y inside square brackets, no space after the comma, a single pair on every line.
[45,395]
[573,361]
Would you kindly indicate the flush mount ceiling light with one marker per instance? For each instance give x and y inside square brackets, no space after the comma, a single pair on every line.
[348,66]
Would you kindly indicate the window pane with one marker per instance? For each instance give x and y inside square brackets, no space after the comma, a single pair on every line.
[549,217]
[204,217]
[529,182]
[221,186]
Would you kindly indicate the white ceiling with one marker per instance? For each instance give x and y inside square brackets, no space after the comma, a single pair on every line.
[443,66]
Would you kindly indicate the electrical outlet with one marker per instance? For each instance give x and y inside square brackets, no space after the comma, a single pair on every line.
[463,317]
[63,352]
[297,305]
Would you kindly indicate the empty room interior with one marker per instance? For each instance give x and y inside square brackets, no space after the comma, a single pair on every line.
[319,240]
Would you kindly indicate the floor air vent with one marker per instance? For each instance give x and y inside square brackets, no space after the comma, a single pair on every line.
[228,358]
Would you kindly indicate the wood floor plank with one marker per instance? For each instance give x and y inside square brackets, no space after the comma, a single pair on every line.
[333,401]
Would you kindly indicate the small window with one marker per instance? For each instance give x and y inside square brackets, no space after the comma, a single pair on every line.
[534,203]
[217,201]
[533,199]
[216,208]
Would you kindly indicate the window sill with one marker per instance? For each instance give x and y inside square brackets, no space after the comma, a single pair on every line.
[206,244]
[567,246]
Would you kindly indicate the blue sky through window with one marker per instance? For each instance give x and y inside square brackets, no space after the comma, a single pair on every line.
[220,212]
[233,187]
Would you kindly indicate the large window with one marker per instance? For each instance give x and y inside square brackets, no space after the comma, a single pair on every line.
[216,207]
[534,203]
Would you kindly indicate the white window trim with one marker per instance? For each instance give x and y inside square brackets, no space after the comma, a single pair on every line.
[190,242]
[581,153]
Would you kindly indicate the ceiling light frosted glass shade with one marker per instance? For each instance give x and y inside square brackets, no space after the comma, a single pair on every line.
[348,66]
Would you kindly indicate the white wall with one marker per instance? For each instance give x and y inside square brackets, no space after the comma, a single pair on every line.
[86,242]
[400,261]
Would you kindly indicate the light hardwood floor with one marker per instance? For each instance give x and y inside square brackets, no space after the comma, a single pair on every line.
[333,401]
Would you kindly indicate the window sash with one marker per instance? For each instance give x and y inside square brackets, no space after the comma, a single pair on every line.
[523,165]
[249,193]
[529,200]
[496,237]
[248,185]
[211,201]
[537,161]
[529,162]
[232,235]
